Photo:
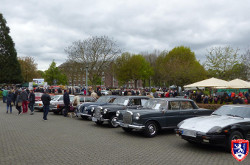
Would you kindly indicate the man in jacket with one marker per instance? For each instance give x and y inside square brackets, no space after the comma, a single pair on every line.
[31,101]
[46,102]
[66,102]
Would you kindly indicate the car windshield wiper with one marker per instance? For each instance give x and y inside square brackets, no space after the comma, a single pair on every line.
[235,116]
[216,114]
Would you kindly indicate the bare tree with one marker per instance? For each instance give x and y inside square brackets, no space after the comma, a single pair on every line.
[96,53]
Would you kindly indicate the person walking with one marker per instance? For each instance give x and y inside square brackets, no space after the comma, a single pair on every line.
[46,102]
[10,98]
[31,101]
[66,102]
[24,96]
[19,103]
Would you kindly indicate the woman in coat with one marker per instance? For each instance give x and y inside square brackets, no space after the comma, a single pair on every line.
[10,98]
[19,103]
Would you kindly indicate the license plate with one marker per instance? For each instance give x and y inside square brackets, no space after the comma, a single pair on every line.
[189,133]
[94,119]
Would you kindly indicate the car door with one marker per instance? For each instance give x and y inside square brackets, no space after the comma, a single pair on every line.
[171,114]
[186,110]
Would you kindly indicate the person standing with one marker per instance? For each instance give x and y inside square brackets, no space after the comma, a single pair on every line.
[10,98]
[18,103]
[31,101]
[46,102]
[5,93]
[66,102]
[24,97]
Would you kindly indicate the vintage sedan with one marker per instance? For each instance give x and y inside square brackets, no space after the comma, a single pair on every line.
[84,110]
[39,104]
[159,113]
[108,112]
[227,123]
[61,107]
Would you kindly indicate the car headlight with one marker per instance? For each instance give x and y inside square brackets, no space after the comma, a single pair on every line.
[137,116]
[105,111]
[215,129]
[85,108]
[92,109]
[117,113]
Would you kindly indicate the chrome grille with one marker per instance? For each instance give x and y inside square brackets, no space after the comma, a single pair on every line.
[127,118]
[97,112]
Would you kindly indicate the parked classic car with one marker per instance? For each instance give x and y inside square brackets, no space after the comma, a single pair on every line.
[58,99]
[108,112]
[227,123]
[83,99]
[159,113]
[39,104]
[84,110]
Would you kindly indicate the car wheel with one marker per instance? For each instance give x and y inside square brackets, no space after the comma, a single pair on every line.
[56,113]
[151,129]
[99,122]
[84,117]
[112,122]
[233,136]
[127,129]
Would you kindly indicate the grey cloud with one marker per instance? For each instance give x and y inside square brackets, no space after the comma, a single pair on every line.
[43,29]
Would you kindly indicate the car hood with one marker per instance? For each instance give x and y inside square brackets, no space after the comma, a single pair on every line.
[205,123]
[145,111]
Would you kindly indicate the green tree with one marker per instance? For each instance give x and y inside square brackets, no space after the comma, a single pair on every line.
[132,67]
[9,66]
[53,75]
[220,61]
[28,68]
[180,67]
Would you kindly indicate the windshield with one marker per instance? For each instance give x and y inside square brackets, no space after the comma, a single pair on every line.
[155,104]
[56,97]
[103,99]
[121,101]
[38,94]
[233,111]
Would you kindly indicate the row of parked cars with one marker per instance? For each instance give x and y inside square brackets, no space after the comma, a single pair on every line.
[192,123]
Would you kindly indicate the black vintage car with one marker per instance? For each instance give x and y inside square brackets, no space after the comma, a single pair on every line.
[108,112]
[84,110]
[159,113]
[227,123]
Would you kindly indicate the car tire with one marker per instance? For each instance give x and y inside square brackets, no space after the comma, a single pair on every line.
[151,129]
[99,122]
[85,117]
[234,135]
[56,113]
[127,129]
[112,122]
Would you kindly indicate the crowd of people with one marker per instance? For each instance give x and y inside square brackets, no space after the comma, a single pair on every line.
[23,98]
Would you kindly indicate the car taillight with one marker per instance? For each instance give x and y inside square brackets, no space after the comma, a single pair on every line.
[58,106]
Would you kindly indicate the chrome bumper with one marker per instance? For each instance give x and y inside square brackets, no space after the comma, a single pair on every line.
[99,119]
[83,114]
[131,126]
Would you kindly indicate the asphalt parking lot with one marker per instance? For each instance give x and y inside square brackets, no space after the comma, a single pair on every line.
[27,139]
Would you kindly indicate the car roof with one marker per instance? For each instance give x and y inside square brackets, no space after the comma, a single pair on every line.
[237,105]
[173,99]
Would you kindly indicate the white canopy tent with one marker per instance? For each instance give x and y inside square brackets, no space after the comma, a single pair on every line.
[238,83]
[211,82]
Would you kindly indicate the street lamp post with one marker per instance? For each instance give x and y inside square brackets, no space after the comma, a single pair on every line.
[86,80]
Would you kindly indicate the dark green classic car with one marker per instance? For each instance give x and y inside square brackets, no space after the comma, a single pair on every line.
[159,113]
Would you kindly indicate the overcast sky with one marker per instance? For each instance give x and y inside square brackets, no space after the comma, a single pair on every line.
[44,28]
